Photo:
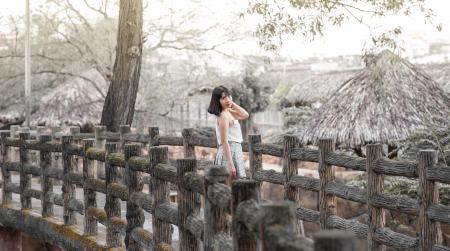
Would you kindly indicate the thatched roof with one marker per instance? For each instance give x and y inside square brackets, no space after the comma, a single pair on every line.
[75,102]
[440,73]
[383,102]
[317,86]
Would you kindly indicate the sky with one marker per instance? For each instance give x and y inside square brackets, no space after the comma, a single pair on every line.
[345,40]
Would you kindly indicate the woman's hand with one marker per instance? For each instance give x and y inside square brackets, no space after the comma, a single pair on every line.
[232,169]
[230,103]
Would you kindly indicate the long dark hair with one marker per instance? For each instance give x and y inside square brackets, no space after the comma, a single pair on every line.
[214,105]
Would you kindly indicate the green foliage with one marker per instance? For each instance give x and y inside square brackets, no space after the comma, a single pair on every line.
[282,90]
[310,18]
[251,94]
[435,137]
[296,116]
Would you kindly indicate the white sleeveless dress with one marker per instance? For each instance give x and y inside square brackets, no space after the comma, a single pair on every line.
[234,140]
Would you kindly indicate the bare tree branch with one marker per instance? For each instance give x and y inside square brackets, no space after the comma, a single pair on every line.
[99,9]
[60,73]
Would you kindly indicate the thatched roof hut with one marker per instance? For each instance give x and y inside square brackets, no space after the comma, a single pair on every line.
[75,102]
[383,102]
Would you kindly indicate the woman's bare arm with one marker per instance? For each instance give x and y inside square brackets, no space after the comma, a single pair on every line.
[238,112]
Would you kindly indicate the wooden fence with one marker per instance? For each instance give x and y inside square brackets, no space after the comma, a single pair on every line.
[254,224]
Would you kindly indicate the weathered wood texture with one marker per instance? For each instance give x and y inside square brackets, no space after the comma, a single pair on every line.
[46,182]
[375,186]
[162,231]
[327,202]
[25,179]
[250,219]
[189,149]
[99,143]
[290,170]
[6,174]
[430,231]
[188,205]
[123,131]
[112,203]
[215,217]
[135,214]
[90,224]
[255,158]
[334,241]
[68,188]
[153,134]
[278,228]
[268,149]
[243,238]
[47,229]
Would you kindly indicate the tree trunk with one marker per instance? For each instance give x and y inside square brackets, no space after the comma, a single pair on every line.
[246,127]
[121,97]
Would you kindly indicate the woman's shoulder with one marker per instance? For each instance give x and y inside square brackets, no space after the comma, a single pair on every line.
[224,116]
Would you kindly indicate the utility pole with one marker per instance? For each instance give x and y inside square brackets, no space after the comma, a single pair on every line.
[27,64]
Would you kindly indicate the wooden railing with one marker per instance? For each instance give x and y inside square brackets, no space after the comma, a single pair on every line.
[254,224]
[212,230]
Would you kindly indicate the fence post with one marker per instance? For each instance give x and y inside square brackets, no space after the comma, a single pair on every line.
[68,188]
[243,190]
[153,132]
[278,227]
[90,224]
[56,156]
[135,214]
[333,240]
[14,129]
[430,231]
[188,204]
[123,129]
[25,179]
[74,131]
[375,185]
[289,170]
[215,218]
[46,182]
[162,231]
[189,150]
[6,158]
[327,203]
[254,158]
[100,143]
[40,130]
[112,204]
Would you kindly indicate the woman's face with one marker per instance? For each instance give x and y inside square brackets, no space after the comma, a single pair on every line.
[225,101]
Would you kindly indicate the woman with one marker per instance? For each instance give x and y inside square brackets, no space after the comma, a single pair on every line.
[228,131]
